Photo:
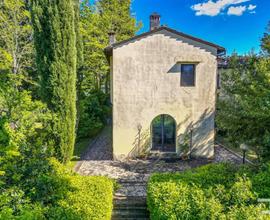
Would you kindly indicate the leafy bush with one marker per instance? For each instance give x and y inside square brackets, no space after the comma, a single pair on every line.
[85,197]
[210,192]
[244,93]
[261,181]
[13,203]
[207,176]
[66,196]
[174,200]
[34,185]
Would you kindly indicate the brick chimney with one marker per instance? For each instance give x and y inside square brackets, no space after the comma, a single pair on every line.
[154,21]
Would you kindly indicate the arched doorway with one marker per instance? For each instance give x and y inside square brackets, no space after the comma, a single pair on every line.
[163,133]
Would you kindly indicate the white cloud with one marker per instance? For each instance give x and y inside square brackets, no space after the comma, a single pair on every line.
[212,8]
[252,7]
[236,10]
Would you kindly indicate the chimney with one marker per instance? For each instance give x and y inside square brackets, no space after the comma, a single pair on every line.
[112,38]
[154,21]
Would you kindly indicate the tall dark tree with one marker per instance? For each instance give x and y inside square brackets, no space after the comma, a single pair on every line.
[80,57]
[54,26]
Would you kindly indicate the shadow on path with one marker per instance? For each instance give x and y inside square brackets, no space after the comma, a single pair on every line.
[100,148]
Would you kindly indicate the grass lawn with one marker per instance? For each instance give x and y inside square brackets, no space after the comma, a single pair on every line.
[82,145]
[79,149]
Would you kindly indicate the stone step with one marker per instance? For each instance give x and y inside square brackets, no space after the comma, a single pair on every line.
[130,212]
[135,182]
[129,218]
[129,201]
[132,204]
[153,155]
[131,190]
[130,208]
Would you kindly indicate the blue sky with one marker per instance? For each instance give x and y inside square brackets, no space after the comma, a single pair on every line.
[236,25]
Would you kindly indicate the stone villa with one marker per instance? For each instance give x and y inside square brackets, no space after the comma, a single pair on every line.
[163,93]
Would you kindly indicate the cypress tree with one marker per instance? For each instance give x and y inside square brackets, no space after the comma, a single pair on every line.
[56,57]
[80,57]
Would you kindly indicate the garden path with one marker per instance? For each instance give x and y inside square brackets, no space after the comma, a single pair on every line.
[133,174]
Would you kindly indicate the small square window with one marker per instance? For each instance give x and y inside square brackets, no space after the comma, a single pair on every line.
[187,75]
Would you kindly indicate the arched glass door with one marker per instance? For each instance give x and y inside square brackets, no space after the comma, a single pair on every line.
[163,133]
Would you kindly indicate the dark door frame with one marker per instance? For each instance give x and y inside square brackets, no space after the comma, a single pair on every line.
[163,147]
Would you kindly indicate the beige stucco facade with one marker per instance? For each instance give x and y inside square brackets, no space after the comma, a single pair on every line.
[145,82]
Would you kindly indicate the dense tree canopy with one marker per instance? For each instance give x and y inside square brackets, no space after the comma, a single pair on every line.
[16,43]
[244,103]
[97,20]
[244,107]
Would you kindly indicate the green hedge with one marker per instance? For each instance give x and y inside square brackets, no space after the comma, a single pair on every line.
[84,197]
[60,195]
[216,191]
[90,198]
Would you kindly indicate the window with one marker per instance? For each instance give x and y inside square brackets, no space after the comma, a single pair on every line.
[187,75]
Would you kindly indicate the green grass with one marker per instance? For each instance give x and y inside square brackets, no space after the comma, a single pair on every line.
[80,147]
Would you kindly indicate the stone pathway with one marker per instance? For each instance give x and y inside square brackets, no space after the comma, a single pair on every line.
[100,148]
[133,175]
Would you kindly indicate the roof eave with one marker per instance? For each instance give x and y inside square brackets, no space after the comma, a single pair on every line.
[220,50]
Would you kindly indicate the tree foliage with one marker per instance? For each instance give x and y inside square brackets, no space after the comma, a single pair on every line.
[214,191]
[244,102]
[97,20]
[56,55]
[244,105]
[25,148]
[265,42]
[16,44]
[33,185]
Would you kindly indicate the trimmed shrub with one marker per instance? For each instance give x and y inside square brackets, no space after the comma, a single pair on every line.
[91,198]
[251,212]
[173,200]
[86,197]
[261,182]
[60,194]
[216,191]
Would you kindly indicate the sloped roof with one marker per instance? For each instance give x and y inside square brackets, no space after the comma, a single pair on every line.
[220,49]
